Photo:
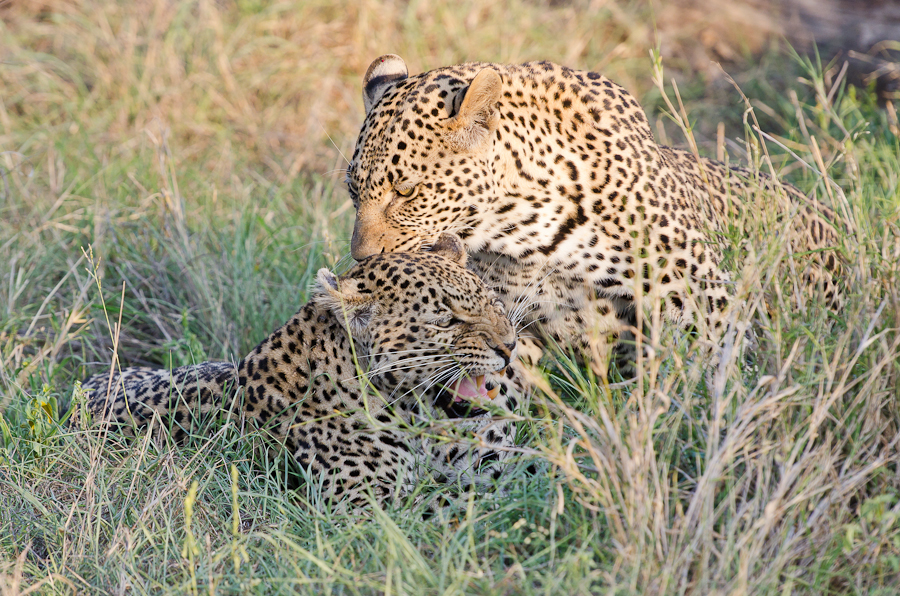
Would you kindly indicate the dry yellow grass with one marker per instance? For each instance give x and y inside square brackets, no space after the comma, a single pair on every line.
[259,82]
[275,84]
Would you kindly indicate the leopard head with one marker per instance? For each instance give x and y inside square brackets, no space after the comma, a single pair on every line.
[422,324]
[423,160]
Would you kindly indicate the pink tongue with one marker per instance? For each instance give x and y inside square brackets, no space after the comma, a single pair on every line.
[467,388]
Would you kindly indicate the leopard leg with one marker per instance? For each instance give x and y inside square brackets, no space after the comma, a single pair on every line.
[350,458]
[479,460]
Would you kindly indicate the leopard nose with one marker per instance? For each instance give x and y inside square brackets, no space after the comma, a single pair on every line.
[369,234]
[359,247]
[505,351]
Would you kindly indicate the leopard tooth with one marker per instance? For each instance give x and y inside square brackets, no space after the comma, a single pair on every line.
[492,393]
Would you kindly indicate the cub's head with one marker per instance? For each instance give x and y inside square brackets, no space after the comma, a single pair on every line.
[422,323]
[422,160]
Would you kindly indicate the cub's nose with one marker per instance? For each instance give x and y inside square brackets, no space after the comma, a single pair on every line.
[505,351]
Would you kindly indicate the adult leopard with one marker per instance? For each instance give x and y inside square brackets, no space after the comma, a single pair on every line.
[552,178]
[432,341]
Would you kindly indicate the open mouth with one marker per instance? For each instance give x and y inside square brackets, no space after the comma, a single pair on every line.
[457,399]
[468,388]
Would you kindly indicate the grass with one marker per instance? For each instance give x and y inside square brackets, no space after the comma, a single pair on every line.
[170,182]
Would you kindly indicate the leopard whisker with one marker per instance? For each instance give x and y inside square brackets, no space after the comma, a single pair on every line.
[490,268]
[447,369]
[526,299]
[454,227]
[405,364]
[446,373]
[443,374]
[440,345]
[341,266]
[335,145]
[460,373]
[527,325]
[410,359]
[520,314]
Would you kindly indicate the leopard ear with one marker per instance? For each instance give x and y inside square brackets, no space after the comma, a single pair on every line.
[450,247]
[345,303]
[383,71]
[478,116]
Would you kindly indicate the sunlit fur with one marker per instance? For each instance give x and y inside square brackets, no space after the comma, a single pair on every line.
[566,203]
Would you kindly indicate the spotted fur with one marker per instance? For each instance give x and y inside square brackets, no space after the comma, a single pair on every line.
[566,203]
[414,323]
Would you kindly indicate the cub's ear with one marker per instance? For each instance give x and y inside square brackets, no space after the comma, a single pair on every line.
[450,247]
[478,116]
[382,71]
[349,306]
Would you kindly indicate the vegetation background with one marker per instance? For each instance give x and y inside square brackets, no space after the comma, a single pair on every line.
[170,179]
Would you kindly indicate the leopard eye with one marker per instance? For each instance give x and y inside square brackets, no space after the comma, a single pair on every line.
[407,192]
[354,196]
[448,322]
